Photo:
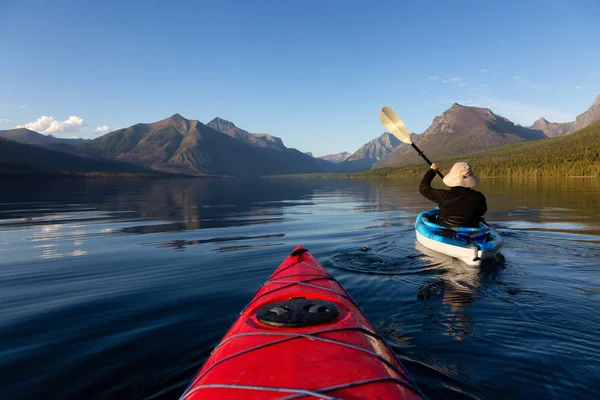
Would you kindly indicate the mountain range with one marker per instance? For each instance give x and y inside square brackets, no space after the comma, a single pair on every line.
[554,129]
[220,148]
[573,155]
[463,130]
[179,145]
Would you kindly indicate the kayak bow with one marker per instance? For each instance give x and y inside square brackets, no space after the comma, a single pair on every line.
[302,336]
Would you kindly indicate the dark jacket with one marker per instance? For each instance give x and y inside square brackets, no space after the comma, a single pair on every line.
[459,206]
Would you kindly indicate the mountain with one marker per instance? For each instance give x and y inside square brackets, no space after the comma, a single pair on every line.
[591,116]
[462,130]
[177,144]
[577,154]
[308,153]
[23,135]
[306,163]
[370,153]
[337,157]
[376,149]
[26,159]
[252,139]
[553,129]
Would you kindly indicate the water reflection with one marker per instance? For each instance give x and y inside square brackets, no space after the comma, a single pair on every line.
[182,244]
[90,285]
[457,286]
[198,204]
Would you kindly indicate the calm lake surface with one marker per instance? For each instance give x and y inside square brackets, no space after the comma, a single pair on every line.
[120,289]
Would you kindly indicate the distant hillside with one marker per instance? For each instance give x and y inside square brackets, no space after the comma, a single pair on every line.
[24,159]
[187,146]
[23,135]
[337,157]
[370,153]
[577,154]
[252,139]
[553,129]
[462,130]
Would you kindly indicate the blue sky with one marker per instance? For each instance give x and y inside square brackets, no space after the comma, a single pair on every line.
[315,73]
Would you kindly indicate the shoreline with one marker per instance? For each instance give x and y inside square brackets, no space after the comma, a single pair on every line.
[117,176]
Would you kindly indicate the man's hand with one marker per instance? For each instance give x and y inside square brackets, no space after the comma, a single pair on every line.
[434,167]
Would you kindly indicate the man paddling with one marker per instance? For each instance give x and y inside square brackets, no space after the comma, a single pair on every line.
[461,205]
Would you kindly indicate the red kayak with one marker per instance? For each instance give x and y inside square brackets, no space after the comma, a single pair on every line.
[302,337]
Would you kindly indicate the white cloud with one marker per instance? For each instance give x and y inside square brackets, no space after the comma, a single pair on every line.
[101,129]
[47,125]
[461,84]
[23,105]
[4,120]
[445,81]
[539,85]
[483,70]
[2,104]
[433,78]
[578,87]
[454,80]
[517,78]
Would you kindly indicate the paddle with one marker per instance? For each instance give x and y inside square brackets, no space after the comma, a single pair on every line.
[397,128]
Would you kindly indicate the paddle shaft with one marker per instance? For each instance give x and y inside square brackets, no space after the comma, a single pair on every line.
[414,146]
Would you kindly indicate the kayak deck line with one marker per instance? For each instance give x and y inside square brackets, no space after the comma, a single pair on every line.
[305,283]
[312,336]
[299,392]
[292,352]
[350,385]
[302,392]
[325,276]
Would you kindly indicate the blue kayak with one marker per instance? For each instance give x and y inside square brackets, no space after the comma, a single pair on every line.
[471,245]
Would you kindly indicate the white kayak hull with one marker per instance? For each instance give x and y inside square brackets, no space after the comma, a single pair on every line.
[444,240]
[473,257]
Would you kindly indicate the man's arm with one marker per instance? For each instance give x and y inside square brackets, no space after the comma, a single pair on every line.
[435,195]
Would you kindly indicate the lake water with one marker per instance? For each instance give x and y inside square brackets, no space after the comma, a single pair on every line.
[120,289]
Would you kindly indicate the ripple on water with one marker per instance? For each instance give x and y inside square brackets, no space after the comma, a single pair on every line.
[372,263]
[117,313]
